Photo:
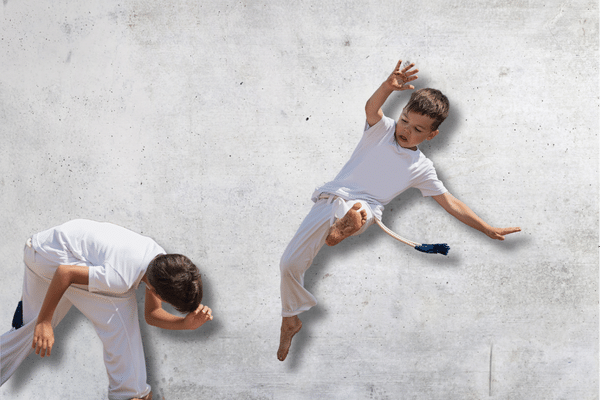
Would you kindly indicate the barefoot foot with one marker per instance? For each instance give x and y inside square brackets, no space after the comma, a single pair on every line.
[347,226]
[146,397]
[289,327]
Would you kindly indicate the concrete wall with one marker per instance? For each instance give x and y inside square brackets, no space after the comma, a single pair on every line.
[207,124]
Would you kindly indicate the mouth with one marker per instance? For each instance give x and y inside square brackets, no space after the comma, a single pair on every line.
[402,138]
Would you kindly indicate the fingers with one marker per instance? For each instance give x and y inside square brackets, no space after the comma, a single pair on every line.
[205,312]
[397,69]
[499,233]
[406,71]
[507,231]
[43,346]
[400,77]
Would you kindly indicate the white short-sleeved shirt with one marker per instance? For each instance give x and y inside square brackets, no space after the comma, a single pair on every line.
[117,257]
[380,169]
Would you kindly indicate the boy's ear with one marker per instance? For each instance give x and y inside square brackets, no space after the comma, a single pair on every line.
[433,134]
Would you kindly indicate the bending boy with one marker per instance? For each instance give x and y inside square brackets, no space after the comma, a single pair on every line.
[97,266]
[386,162]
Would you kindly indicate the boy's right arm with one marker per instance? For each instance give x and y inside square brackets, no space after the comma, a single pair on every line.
[65,275]
[397,80]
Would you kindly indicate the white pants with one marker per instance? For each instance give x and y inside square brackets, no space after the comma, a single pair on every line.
[114,318]
[305,245]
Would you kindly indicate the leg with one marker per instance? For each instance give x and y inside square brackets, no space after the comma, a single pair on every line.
[347,226]
[296,259]
[15,345]
[115,320]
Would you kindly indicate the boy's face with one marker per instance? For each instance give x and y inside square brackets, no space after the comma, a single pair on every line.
[412,129]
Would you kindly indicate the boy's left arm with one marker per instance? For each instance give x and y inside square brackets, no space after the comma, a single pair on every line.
[464,214]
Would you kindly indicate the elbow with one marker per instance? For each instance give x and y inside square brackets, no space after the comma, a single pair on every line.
[369,107]
[149,319]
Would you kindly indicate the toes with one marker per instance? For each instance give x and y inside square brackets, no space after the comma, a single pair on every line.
[357,206]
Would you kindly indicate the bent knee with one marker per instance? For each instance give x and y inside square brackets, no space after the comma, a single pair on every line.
[286,264]
[293,263]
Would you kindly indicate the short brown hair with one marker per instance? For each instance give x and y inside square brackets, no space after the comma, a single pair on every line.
[176,280]
[429,102]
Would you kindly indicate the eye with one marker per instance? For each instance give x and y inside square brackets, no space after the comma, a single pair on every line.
[418,130]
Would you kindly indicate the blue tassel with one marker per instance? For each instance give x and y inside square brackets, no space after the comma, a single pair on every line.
[440,248]
[17,321]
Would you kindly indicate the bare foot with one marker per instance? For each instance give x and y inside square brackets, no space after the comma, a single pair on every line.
[146,397]
[346,226]
[289,327]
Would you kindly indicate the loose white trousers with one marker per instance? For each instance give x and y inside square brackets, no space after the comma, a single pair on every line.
[304,246]
[115,320]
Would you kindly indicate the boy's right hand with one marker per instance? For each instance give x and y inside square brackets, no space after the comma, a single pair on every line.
[400,77]
[43,338]
[196,319]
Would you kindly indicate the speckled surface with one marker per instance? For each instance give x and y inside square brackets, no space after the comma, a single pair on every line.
[206,125]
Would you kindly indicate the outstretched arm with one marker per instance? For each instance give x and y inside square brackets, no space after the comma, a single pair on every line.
[65,275]
[464,214]
[155,315]
[397,80]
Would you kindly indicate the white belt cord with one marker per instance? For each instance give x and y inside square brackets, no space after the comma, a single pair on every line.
[438,248]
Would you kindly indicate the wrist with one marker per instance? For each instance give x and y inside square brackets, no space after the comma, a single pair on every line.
[44,321]
[387,86]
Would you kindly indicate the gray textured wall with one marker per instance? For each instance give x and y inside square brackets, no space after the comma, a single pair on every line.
[206,125]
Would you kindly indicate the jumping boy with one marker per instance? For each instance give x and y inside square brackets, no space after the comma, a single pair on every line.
[385,163]
[97,266]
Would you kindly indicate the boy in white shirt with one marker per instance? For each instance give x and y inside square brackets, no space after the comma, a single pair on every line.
[386,162]
[97,266]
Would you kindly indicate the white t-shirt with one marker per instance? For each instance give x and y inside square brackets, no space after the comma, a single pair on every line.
[380,169]
[117,257]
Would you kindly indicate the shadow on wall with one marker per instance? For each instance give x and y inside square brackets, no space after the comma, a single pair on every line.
[29,368]
[201,334]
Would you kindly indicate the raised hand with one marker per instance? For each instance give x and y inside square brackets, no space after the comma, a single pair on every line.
[196,319]
[400,77]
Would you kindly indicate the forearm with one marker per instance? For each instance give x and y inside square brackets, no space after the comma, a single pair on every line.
[464,214]
[164,320]
[155,315]
[64,276]
[376,101]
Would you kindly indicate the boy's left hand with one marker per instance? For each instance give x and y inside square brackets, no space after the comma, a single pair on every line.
[498,233]
[196,319]
[43,338]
